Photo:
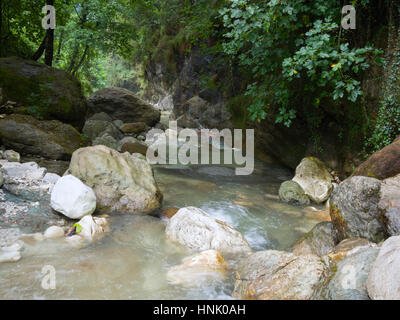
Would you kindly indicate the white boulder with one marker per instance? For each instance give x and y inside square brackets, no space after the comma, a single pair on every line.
[73,198]
[54,232]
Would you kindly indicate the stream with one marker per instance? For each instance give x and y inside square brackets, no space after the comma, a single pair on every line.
[132,260]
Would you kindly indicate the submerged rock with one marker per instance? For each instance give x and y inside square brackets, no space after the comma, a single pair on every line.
[384,277]
[73,198]
[122,182]
[54,232]
[205,266]
[355,211]
[291,192]
[193,228]
[315,179]
[277,275]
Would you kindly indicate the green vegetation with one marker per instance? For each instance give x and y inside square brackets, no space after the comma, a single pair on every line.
[287,60]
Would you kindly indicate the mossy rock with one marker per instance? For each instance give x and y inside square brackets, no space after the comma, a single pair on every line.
[50,139]
[41,91]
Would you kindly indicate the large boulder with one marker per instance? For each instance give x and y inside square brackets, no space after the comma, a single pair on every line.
[122,182]
[315,179]
[382,164]
[73,198]
[319,241]
[277,275]
[195,229]
[390,205]
[49,139]
[43,92]
[291,192]
[122,104]
[348,279]
[204,266]
[384,277]
[354,209]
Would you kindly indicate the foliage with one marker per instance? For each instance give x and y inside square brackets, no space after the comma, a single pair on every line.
[291,46]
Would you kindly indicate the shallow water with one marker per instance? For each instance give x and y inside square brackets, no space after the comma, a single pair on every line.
[132,260]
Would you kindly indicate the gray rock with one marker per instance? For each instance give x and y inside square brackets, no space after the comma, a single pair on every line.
[292,192]
[102,116]
[355,211]
[319,241]
[132,145]
[97,128]
[123,104]
[348,280]
[384,278]
[106,140]
[390,205]
[118,123]
[277,275]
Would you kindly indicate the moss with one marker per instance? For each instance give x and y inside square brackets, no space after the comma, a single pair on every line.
[338,221]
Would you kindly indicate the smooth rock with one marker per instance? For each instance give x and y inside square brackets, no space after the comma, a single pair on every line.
[277,275]
[348,247]
[92,227]
[205,266]
[315,179]
[122,182]
[389,205]
[384,278]
[292,192]
[54,232]
[120,103]
[195,229]
[73,198]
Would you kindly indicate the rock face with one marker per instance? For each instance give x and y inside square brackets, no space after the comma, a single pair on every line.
[49,139]
[355,211]
[349,280]
[122,182]
[42,91]
[291,192]
[276,275]
[315,179]
[207,265]
[384,277]
[122,104]
[390,205]
[319,241]
[193,228]
[73,198]
[382,164]
[27,180]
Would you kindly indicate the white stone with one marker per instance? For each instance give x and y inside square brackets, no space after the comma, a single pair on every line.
[54,232]
[73,198]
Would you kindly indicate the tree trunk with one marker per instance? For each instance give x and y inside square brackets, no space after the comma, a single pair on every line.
[48,58]
[40,50]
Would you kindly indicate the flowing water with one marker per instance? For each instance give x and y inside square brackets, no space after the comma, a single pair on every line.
[132,260]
